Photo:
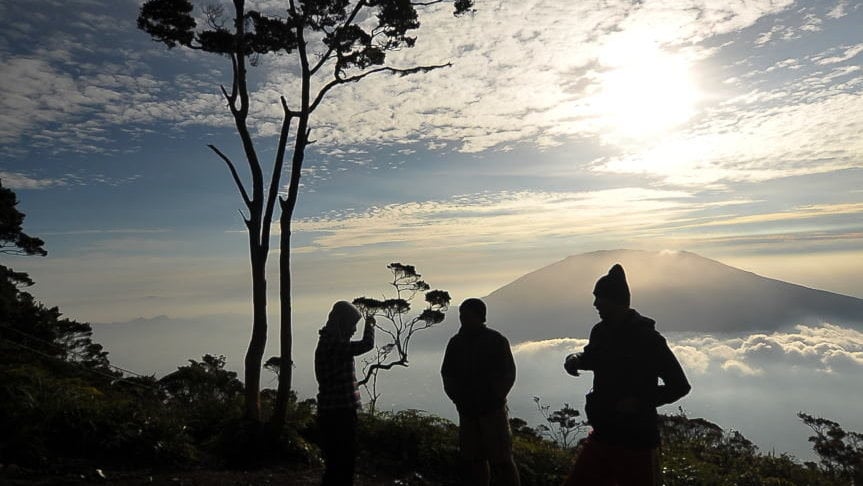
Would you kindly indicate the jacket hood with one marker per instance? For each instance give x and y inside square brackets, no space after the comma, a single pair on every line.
[340,322]
[640,321]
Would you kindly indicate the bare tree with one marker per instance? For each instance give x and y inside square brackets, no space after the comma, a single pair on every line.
[396,326]
[334,42]
[564,425]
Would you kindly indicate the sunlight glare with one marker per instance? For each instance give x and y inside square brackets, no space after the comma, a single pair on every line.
[645,91]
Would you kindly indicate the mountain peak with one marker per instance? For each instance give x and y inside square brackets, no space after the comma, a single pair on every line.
[682,290]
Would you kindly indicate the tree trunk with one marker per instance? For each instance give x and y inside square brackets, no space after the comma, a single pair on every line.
[258,342]
[287,206]
[286,337]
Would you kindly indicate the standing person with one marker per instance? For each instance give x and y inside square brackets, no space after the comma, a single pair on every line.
[627,356]
[338,394]
[478,371]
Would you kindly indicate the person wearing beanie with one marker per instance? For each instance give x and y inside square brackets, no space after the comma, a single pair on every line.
[478,371]
[338,394]
[628,357]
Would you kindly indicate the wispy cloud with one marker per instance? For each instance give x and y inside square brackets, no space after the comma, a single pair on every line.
[497,218]
[801,213]
[14,180]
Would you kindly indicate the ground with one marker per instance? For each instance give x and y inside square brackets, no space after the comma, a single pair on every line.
[292,476]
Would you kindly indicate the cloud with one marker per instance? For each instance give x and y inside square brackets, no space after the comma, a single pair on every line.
[498,218]
[539,72]
[809,132]
[824,349]
[15,181]
[800,213]
[849,53]
[559,346]
[838,11]
[817,349]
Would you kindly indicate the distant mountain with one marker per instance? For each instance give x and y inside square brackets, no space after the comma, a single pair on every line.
[681,290]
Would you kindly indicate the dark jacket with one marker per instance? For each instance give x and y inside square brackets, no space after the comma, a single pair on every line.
[335,371]
[478,370]
[627,359]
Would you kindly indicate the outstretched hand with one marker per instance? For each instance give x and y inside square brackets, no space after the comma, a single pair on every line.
[571,364]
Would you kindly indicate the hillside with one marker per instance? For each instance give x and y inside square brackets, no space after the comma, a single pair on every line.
[681,290]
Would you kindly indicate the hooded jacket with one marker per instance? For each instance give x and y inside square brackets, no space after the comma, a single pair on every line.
[478,370]
[627,359]
[334,358]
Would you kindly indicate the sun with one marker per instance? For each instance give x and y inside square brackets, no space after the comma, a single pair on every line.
[643,90]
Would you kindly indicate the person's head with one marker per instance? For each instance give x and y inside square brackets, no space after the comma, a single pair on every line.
[612,295]
[471,312]
[342,321]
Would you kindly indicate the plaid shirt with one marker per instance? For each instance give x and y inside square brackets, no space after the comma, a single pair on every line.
[334,369]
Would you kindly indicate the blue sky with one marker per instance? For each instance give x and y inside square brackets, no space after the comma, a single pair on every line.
[726,128]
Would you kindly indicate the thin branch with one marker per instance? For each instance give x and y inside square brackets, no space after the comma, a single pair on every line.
[374,367]
[426,4]
[358,77]
[359,6]
[245,219]
[235,175]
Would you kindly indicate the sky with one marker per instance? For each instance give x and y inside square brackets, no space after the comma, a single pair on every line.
[726,128]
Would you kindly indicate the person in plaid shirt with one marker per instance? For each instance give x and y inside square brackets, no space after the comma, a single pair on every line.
[338,394]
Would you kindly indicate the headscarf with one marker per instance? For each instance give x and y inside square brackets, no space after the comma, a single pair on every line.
[341,321]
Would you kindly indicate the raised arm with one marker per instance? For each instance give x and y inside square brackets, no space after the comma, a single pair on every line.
[365,344]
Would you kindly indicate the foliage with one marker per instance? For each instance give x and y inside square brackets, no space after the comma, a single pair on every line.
[540,461]
[409,442]
[696,451]
[204,395]
[13,240]
[841,452]
[47,414]
[397,328]
[564,425]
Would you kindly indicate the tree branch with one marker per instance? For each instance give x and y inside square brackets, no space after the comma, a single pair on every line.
[234,174]
[357,8]
[277,170]
[358,77]
[376,366]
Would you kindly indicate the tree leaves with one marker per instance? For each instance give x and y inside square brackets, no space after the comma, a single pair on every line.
[168,21]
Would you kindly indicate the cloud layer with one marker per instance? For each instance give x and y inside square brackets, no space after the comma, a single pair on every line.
[826,349]
[540,72]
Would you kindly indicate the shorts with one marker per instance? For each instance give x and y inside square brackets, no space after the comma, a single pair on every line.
[485,437]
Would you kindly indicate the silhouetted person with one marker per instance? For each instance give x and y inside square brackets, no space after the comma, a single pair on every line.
[338,395]
[478,371]
[627,356]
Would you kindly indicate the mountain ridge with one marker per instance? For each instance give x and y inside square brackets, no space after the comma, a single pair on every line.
[682,290]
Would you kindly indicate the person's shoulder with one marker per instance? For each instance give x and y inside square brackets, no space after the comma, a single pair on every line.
[647,327]
[495,335]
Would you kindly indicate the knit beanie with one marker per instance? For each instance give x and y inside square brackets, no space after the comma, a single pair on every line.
[613,286]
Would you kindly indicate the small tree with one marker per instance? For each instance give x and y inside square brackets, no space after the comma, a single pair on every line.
[841,452]
[24,322]
[564,424]
[335,42]
[13,239]
[397,328]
